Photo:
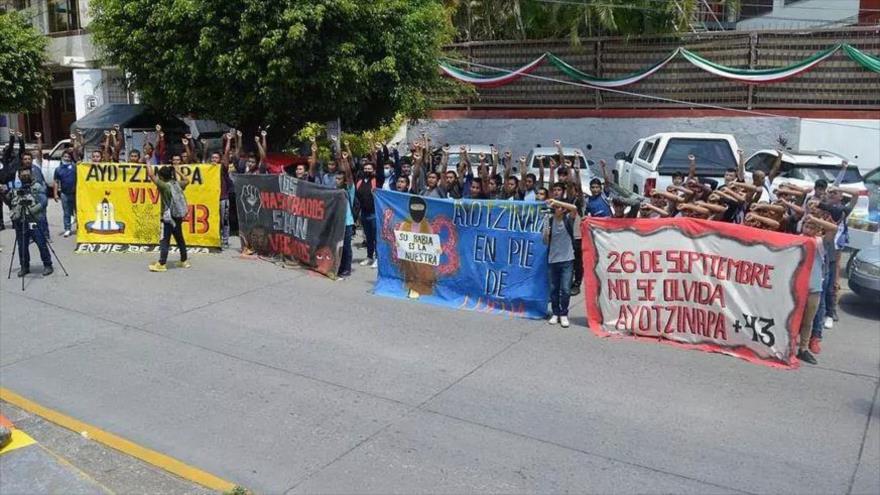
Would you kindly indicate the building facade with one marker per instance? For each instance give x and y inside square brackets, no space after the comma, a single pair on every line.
[79,82]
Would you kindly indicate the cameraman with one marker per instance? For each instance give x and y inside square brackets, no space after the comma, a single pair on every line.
[28,212]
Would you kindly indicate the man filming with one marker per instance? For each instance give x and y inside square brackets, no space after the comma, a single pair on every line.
[28,212]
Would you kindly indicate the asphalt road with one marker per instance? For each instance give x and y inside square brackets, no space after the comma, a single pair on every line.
[282,381]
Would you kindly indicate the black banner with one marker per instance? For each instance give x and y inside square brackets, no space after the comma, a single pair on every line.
[282,216]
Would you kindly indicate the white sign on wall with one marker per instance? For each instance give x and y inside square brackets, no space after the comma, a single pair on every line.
[88,90]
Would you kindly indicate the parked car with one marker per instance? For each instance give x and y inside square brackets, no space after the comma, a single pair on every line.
[863,273]
[653,160]
[574,155]
[863,223]
[473,154]
[804,168]
[51,161]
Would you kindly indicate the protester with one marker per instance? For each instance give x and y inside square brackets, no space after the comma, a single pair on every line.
[65,189]
[34,162]
[9,164]
[173,204]
[559,236]
[823,234]
[345,182]
[370,178]
[27,209]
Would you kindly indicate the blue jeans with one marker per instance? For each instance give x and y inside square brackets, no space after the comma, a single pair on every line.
[819,319]
[369,224]
[560,286]
[345,262]
[68,206]
[23,234]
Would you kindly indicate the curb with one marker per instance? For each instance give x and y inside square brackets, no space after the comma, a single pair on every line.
[116,442]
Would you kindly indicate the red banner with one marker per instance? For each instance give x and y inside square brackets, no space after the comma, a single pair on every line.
[698,284]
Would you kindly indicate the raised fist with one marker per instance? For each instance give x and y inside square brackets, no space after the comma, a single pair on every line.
[38,135]
[314,148]
[158,128]
[188,135]
[238,133]
[312,139]
[333,138]
[263,133]
[522,159]
[203,141]
[691,157]
[116,126]
[257,138]
[557,142]
[106,133]
[185,141]
[113,132]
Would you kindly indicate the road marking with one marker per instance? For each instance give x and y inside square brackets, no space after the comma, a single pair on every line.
[19,439]
[116,442]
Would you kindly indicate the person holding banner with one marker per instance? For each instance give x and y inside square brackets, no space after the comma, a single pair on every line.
[823,233]
[345,181]
[173,212]
[559,236]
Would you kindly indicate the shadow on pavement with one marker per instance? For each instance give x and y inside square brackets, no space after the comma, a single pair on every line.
[860,307]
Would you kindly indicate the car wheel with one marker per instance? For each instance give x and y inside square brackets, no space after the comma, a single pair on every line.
[850,262]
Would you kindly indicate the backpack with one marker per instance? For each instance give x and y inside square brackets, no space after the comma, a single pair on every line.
[178,206]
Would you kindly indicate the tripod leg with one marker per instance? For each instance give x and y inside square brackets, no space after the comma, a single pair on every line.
[57,259]
[14,247]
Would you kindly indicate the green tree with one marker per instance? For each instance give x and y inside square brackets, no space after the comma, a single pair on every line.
[477,20]
[278,62]
[24,78]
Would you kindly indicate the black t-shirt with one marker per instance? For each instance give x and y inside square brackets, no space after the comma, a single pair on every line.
[364,194]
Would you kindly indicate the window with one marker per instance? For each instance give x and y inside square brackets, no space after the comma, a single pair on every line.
[63,15]
[714,156]
[647,148]
[812,173]
[761,162]
[632,153]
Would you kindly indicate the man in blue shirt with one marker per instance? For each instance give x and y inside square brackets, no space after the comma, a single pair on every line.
[65,188]
[599,202]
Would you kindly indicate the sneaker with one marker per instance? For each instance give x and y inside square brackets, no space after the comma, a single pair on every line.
[66,233]
[575,290]
[553,320]
[815,345]
[158,267]
[375,264]
[366,262]
[48,271]
[829,322]
[22,272]
[413,294]
[563,321]
[344,274]
[806,357]
[183,264]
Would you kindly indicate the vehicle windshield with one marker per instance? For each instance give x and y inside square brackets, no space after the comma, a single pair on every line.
[813,172]
[713,156]
[474,158]
[56,153]
[577,160]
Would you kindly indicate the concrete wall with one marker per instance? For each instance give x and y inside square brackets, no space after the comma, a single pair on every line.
[607,135]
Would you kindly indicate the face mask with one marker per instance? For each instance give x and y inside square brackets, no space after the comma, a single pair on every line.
[65,161]
[387,171]
[368,174]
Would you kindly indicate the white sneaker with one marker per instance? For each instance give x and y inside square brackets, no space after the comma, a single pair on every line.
[66,233]
[829,322]
[553,320]
[367,262]
[375,264]
[563,320]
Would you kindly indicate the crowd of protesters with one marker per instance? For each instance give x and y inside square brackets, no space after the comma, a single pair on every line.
[819,212]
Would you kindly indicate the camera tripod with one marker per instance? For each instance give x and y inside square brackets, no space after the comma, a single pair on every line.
[25,223]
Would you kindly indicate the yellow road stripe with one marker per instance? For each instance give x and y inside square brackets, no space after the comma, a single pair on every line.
[19,439]
[149,456]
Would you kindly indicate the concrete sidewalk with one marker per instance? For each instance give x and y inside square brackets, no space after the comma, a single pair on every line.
[45,458]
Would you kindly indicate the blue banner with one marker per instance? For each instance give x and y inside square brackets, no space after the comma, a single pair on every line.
[486,256]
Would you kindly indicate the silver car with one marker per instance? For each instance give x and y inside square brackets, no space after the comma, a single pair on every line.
[863,273]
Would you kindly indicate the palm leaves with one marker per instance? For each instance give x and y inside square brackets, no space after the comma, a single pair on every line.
[543,19]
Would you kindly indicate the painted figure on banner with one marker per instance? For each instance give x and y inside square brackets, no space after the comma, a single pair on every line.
[417,249]
[105,219]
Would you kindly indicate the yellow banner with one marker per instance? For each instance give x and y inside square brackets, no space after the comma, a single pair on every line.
[116,203]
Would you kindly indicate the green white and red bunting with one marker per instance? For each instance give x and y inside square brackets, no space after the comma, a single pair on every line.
[491,79]
[591,80]
[747,76]
[757,76]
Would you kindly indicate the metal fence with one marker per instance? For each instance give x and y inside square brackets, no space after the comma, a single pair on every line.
[836,83]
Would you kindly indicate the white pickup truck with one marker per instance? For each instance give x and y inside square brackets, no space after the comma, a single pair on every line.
[653,160]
